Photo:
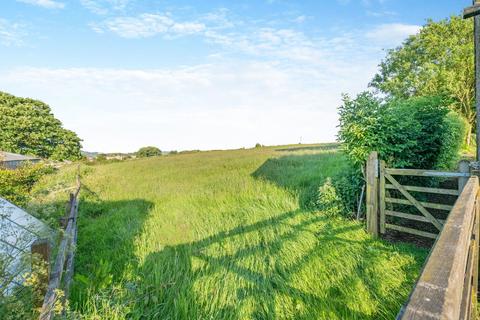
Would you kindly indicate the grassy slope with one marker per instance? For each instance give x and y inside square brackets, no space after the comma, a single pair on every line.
[226,235]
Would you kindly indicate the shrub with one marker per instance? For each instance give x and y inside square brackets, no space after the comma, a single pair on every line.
[148,152]
[340,193]
[15,185]
[452,140]
[258,145]
[416,132]
[23,300]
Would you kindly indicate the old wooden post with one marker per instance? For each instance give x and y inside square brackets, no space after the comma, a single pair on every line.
[463,167]
[372,193]
[474,11]
[381,197]
[40,250]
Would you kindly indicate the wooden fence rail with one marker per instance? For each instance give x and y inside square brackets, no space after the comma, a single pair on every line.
[64,262]
[447,287]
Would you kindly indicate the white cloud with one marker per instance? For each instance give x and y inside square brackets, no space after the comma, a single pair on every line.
[392,33]
[147,25]
[49,4]
[220,105]
[103,7]
[11,34]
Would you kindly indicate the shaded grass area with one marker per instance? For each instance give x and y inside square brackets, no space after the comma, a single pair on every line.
[229,235]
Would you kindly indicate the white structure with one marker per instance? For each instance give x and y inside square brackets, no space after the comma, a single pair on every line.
[13,160]
[18,230]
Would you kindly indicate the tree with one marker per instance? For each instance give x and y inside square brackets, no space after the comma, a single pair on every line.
[148,152]
[438,61]
[28,126]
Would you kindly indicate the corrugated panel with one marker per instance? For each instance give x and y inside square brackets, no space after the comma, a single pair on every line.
[18,230]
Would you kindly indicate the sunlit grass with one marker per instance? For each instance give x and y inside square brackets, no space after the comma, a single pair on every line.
[227,235]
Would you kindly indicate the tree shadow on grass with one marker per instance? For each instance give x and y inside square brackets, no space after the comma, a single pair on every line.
[225,277]
[326,146]
[106,236]
[302,174]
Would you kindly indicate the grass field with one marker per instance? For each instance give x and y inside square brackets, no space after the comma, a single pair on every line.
[228,235]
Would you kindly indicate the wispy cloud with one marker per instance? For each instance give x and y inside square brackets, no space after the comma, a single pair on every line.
[148,25]
[103,7]
[48,4]
[392,34]
[11,33]
[380,13]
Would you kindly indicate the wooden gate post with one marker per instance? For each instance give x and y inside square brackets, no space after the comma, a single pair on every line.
[381,196]
[372,193]
[463,167]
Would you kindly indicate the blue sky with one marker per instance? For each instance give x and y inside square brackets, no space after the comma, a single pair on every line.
[200,74]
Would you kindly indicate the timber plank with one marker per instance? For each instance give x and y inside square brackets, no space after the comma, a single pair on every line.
[430,205]
[410,230]
[415,202]
[452,192]
[426,173]
[438,293]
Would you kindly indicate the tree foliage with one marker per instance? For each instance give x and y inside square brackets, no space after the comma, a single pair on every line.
[28,126]
[439,60]
[418,132]
[148,152]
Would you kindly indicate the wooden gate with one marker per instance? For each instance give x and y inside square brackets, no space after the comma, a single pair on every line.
[381,204]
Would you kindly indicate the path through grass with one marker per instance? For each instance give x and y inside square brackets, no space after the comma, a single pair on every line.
[227,235]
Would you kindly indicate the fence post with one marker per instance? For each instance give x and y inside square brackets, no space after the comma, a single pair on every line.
[381,196]
[40,249]
[372,193]
[463,167]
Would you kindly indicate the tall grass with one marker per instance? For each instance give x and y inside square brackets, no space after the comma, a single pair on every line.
[229,235]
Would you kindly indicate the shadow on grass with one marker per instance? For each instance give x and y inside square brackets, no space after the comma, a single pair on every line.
[327,146]
[105,248]
[245,272]
[302,174]
[175,281]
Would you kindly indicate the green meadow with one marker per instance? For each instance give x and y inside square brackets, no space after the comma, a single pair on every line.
[227,235]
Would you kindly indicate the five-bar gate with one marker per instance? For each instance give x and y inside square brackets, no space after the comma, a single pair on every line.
[388,199]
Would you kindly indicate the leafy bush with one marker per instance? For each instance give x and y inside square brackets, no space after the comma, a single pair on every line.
[452,140]
[148,152]
[23,300]
[15,185]
[416,132]
[340,193]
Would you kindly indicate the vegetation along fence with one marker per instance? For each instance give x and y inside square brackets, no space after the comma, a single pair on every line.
[62,271]
[447,287]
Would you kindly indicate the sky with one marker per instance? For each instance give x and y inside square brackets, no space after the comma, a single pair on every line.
[210,74]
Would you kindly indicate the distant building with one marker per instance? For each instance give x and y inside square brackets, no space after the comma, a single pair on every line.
[13,161]
[115,157]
